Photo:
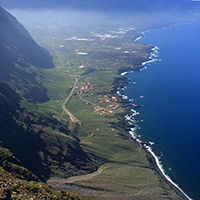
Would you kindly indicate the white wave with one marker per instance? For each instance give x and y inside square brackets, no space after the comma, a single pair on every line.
[158,163]
[133,135]
[129,118]
[151,143]
[138,38]
[122,74]
[143,32]
[133,129]
[124,96]
[138,140]
[154,54]
[134,112]
[143,68]
[131,123]
[150,61]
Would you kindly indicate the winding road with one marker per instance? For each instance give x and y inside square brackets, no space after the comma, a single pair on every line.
[73,119]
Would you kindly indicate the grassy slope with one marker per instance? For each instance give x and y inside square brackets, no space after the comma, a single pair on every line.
[16,182]
[126,172]
[30,131]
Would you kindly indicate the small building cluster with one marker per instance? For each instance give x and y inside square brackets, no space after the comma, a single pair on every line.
[102,110]
[107,98]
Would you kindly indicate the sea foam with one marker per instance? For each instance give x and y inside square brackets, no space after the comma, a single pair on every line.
[135,136]
[138,38]
[122,74]
[158,163]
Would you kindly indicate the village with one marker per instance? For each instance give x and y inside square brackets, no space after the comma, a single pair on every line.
[85,89]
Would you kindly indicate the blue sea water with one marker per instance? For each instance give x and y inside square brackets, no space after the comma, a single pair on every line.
[171,103]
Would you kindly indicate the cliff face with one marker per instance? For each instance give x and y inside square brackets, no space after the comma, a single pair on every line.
[15,133]
[16,39]
[41,143]
[21,58]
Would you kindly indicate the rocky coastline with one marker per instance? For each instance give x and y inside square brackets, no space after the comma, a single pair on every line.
[119,83]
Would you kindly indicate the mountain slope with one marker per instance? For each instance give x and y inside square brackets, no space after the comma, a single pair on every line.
[14,133]
[14,37]
[19,183]
[24,129]
[31,134]
[21,58]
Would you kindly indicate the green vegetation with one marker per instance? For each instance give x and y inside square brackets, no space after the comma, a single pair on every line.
[68,126]
[21,59]
[16,182]
[126,171]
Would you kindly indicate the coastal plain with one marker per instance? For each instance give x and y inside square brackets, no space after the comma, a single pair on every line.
[66,128]
[96,57]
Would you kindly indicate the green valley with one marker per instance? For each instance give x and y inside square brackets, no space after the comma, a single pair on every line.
[96,58]
[62,122]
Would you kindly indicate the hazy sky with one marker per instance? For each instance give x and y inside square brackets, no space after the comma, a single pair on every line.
[141,14]
[130,5]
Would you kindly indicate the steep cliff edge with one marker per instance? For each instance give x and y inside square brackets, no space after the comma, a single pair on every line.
[41,143]
[21,58]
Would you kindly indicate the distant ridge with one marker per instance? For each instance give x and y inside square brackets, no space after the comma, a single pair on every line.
[103,5]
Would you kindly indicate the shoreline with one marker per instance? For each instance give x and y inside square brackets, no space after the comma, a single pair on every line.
[153,159]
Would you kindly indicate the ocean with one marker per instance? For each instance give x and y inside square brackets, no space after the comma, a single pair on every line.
[169,91]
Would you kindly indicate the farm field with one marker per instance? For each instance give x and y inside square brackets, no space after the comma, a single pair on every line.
[88,67]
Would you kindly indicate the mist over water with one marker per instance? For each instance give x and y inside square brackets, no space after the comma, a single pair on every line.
[61,17]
